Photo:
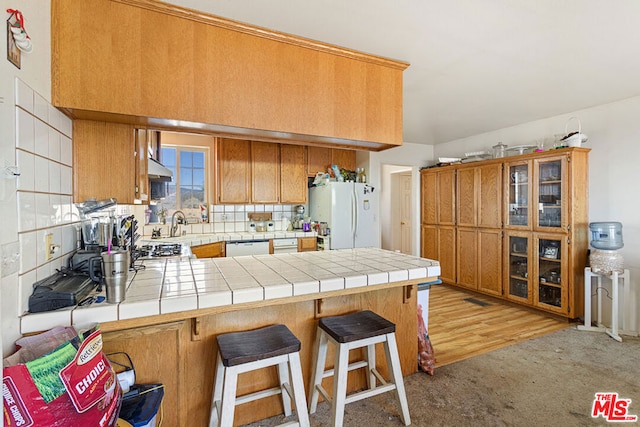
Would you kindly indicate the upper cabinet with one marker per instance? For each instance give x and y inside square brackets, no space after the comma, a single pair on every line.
[321,158]
[145,62]
[293,174]
[109,160]
[265,172]
[234,171]
[260,172]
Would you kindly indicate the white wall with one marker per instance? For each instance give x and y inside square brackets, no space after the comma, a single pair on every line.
[414,156]
[35,72]
[614,138]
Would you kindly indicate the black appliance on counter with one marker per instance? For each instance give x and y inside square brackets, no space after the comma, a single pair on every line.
[65,288]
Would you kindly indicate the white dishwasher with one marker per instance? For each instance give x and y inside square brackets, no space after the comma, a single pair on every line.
[247,247]
[284,246]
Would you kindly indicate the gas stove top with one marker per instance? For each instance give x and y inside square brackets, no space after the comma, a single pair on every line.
[159,250]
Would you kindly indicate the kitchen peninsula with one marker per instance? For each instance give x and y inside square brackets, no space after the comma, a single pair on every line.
[174,309]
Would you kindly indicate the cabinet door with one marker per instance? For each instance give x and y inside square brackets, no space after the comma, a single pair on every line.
[467,251]
[429,242]
[265,172]
[104,161]
[551,291]
[159,354]
[490,196]
[550,192]
[307,244]
[318,160]
[293,174]
[447,197]
[519,270]
[429,196]
[234,170]
[490,261]
[518,196]
[467,197]
[345,159]
[447,253]
[211,250]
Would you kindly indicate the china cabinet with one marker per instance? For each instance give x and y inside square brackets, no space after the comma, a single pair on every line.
[520,227]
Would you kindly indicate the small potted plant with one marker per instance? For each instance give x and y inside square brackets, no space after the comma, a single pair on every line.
[162,214]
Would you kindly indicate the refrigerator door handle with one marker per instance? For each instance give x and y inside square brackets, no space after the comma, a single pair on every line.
[354,214]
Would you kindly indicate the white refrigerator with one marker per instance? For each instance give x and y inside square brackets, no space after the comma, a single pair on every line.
[350,211]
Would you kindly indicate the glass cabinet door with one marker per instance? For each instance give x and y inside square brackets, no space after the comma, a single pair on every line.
[550,194]
[551,275]
[519,269]
[518,199]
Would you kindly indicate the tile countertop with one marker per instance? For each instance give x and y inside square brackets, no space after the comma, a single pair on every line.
[203,239]
[171,285]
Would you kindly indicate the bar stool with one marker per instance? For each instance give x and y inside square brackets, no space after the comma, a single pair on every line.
[352,331]
[240,352]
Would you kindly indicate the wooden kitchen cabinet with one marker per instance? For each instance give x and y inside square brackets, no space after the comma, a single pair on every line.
[265,172]
[307,244]
[109,161]
[234,170]
[159,356]
[345,159]
[293,174]
[210,250]
[132,60]
[467,251]
[318,160]
[520,235]
[321,158]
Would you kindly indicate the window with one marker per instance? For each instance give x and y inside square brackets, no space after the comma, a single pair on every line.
[188,190]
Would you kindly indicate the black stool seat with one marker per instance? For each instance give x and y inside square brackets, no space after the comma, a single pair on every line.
[356,326]
[237,348]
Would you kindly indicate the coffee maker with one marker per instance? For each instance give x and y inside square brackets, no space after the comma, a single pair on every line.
[298,219]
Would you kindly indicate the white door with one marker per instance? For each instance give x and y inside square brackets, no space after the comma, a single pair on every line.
[405,214]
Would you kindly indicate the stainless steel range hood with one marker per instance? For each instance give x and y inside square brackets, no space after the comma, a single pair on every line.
[158,173]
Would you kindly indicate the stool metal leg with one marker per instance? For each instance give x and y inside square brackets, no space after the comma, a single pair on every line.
[318,370]
[393,360]
[340,372]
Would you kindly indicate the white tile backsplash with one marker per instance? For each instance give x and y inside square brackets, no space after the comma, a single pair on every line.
[54,177]
[26,163]
[27,251]
[66,150]
[24,96]
[26,211]
[41,138]
[44,155]
[41,180]
[24,130]
[40,107]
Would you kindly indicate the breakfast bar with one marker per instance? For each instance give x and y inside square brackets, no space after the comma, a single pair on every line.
[174,309]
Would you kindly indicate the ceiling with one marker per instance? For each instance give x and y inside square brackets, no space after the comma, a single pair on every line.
[476,66]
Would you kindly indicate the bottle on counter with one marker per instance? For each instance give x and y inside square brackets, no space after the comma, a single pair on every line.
[363,176]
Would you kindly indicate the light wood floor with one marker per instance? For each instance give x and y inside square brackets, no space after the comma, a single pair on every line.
[459,329]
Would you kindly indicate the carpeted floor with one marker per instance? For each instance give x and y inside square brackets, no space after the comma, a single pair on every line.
[546,381]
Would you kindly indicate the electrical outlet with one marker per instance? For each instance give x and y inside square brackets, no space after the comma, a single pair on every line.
[49,246]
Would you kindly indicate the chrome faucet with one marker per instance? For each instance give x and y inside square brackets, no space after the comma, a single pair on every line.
[175,222]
